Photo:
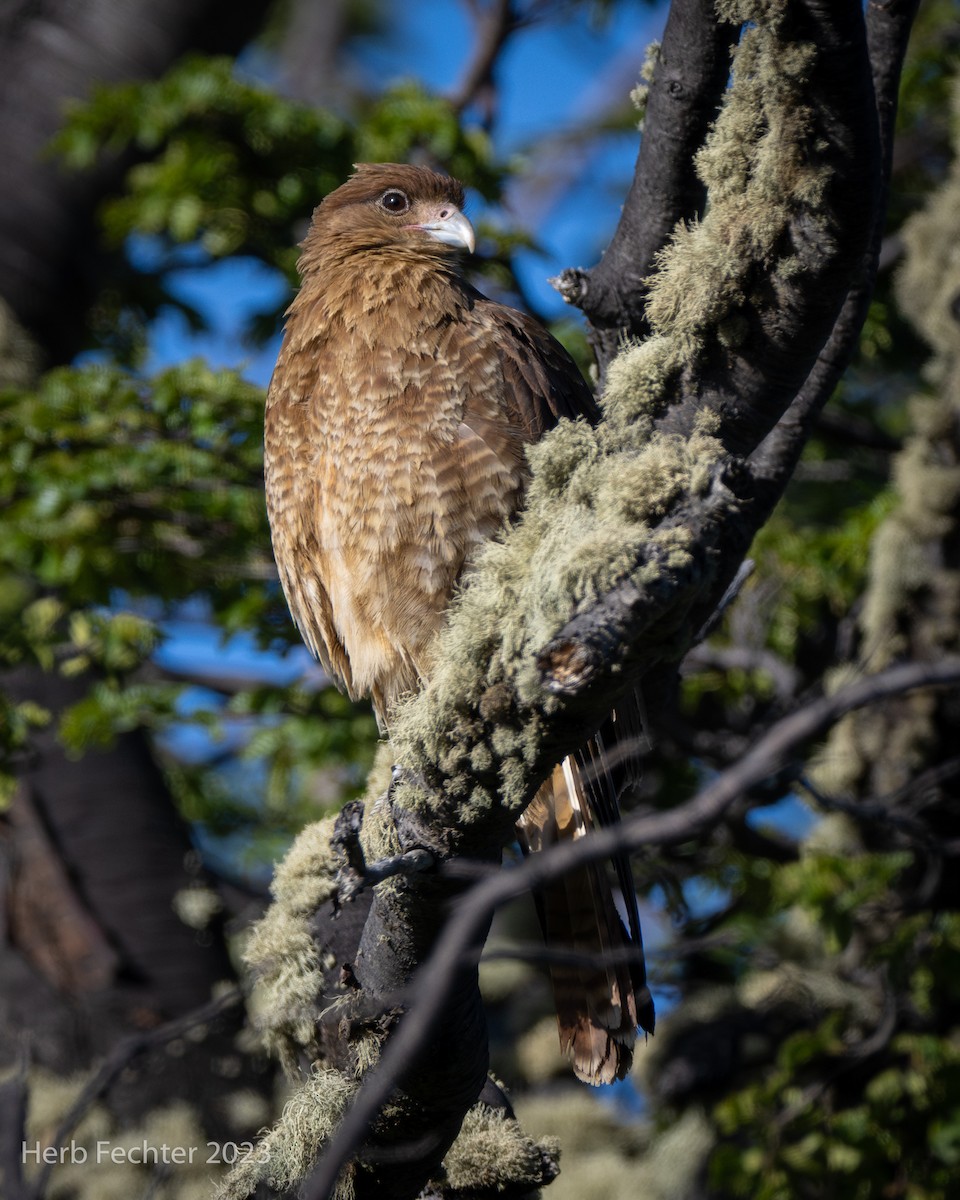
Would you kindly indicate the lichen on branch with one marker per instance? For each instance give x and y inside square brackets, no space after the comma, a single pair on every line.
[639,508]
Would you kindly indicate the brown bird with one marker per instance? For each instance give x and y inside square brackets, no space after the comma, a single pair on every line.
[396,422]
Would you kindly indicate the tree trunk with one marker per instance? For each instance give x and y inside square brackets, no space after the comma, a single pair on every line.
[93,852]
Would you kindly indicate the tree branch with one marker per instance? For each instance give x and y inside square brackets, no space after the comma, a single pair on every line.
[434,982]
[495,24]
[51,53]
[888,31]
[632,532]
[779,305]
[689,79]
[119,1058]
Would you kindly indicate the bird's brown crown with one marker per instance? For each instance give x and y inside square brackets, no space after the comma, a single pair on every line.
[371,180]
[384,206]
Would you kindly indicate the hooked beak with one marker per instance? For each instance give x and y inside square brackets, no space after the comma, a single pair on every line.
[451,227]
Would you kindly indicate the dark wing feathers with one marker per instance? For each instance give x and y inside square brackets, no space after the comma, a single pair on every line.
[541,380]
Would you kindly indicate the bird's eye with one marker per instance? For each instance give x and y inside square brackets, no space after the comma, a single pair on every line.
[394,201]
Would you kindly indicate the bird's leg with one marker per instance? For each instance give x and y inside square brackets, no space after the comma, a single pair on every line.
[413,830]
[354,873]
[351,864]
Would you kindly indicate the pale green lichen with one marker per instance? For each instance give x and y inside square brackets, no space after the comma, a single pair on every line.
[282,951]
[604,505]
[286,1154]
[596,516]
[641,92]
[638,384]
[760,175]
[111,1161]
[601,500]
[196,906]
[604,1157]
[492,1153]
[537,1054]
[911,607]
[378,837]
[305,877]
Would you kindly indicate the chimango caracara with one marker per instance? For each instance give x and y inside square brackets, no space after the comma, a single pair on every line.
[395,430]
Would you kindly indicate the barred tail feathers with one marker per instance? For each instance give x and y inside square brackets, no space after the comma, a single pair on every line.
[601,999]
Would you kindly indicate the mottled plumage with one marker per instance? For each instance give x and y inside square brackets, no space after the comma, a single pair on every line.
[395,426]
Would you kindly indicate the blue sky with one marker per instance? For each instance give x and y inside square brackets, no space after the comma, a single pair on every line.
[551,76]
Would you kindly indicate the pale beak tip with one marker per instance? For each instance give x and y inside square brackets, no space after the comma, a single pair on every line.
[452,230]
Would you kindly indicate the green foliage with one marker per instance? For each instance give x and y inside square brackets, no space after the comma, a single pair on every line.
[120,491]
[230,168]
[17,722]
[819,567]
[307,752]
[223,166]
[407,122]
[225,162]
[110,482]
[846,1097]
[837,889]
[312,750]
[899,1137]
[109,709]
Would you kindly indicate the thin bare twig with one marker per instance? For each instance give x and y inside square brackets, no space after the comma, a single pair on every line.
[684,94]
[412,862]
[119,1058]
[13,1119]
[433,982]
[495,24]
[888,31]
[884,810]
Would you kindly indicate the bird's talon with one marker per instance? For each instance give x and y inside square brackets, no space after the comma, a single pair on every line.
[351,868]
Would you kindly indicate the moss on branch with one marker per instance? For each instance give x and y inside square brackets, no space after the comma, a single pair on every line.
[911,608]
[629,501]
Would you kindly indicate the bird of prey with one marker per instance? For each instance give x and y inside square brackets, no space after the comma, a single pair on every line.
[396,422]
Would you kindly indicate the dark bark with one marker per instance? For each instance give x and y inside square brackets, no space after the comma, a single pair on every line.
[435,982]
[51,263]
[125,852]
[95,855]
[888,31]
[102,834]
[684,96]
[788,318]
[613,640]
[494,26]
[444,1081]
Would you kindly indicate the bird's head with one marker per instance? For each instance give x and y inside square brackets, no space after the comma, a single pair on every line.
[393,206]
